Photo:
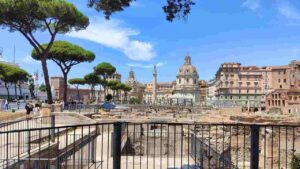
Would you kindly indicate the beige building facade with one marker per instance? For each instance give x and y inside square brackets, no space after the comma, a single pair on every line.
[248,86]
[239,85]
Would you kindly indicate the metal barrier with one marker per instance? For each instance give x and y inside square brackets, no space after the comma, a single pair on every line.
[82,108]
[26,123]
[150,145]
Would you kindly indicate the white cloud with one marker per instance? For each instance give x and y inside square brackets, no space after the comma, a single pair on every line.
[288,11]
[136,4]
[112,33]
[251,4]
[147,66]
[29,60]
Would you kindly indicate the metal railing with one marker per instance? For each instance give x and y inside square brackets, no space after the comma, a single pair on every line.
[150,145]
[82,108]
[26,123]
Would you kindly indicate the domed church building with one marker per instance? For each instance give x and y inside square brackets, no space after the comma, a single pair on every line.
[186,90]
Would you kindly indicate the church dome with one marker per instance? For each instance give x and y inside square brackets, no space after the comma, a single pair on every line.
[187,69]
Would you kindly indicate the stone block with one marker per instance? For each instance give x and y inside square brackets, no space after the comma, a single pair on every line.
[46,110]
[57,107]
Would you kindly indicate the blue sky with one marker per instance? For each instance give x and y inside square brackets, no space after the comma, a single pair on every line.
[253,32]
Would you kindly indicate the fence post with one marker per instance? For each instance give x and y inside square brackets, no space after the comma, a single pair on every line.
[117,145]
[254,151]
[52,128]
[28,138]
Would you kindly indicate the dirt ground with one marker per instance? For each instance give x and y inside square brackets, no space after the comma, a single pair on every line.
[257,118]
[7,116]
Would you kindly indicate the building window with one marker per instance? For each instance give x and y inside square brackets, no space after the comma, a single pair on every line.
[280,86]
[279,80]
[247,91]
[179,81]
[284,80]
[248,84]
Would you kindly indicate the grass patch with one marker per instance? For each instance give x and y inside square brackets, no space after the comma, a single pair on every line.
[7,116]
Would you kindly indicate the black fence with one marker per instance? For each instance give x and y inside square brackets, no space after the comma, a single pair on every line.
[26,123]
[150,146]
[82,108]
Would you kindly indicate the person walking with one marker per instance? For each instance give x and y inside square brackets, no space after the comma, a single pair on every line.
[18,104]
[1,104]
[6,104]
[29,109]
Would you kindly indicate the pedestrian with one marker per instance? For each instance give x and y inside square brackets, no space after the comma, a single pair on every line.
[6,104]
[62,104]
[36,111]
[29,108]
[18,104]
[1,104]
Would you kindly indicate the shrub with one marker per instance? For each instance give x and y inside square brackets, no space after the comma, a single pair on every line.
[134,100]
[295,164]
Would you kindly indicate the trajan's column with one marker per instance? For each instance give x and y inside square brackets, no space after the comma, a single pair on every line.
[154,96]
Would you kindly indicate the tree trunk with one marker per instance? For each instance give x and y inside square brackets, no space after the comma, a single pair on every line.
[20,90]
[92,92]
[114,95]
[16,94]
[65,87]
[78,96]
[47,81]
[104,92]
[7,91]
